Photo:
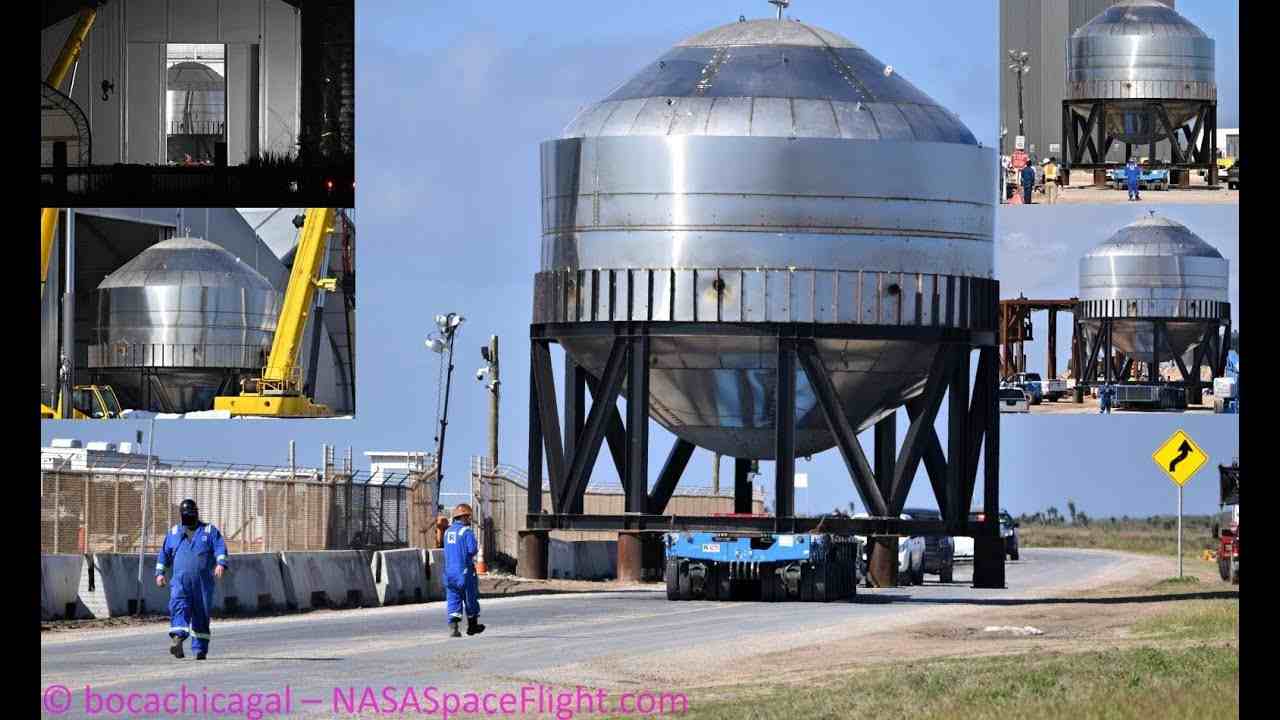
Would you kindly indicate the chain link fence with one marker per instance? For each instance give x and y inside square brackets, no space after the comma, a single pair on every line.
[501,501]
[258,508]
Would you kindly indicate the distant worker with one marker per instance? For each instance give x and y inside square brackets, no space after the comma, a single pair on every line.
[1105,394]
[1050,181]
[1028,182]
[462,587]
[1132,174]
[197,555]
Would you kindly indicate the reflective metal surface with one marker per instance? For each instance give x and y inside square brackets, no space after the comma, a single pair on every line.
[765,171]
[189,307]
[1154,268]
[1141,50]
[197,99]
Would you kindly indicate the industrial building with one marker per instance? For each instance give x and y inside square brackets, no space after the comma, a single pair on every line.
[1042,29]
[174,306]
[178,88]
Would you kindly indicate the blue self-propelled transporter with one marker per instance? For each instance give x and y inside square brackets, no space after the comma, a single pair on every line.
[773,568]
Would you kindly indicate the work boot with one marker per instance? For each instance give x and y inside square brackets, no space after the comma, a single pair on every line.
[200,655]
[473,627]
[453,629]
[175,647]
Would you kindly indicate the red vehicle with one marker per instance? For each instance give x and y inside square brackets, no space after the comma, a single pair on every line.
[1227,530]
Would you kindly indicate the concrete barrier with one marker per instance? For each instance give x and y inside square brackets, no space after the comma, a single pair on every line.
[400,576]
[108,586]
[327,578]
[252,583]
[435,573]
[582,559]
[59,586]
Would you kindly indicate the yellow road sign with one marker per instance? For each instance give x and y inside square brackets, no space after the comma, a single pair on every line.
[1179,457]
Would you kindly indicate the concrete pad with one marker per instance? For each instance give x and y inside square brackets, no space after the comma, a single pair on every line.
[252,583]
[327,578]
[108,586]
[400,576]
[59,586]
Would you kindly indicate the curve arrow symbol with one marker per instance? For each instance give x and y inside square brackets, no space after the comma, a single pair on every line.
[1183,451]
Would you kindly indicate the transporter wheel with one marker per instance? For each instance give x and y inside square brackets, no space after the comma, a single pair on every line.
[821,579]
[1224,567]
[806,582]
[1235,571]
[711,582]
[672,576]
[685,582]
[919,576]
[946,572]
[768,582]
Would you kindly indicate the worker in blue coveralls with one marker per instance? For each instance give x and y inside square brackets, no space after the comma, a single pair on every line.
[1132,174]
[1028,177]
[461,587]
[197,556]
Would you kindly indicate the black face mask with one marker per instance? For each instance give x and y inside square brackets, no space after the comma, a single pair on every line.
[190,521]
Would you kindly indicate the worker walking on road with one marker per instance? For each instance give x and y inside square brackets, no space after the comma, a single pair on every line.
[461,586]
[1050,181]
[1105,393]
[1132,174]
[1028,182]
[197,555]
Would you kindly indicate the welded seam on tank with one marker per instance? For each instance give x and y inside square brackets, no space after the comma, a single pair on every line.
[710,70]
[789,196]
[894,232]
[842,67]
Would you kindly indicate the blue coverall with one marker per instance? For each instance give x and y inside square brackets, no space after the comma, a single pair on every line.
[191,584]
[1028,183]
[1131,176]
[461,586]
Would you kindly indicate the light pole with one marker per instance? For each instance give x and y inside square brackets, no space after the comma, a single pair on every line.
[1020,64]
[442,344]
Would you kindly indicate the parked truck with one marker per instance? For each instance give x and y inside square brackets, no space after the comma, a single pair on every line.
[1039,388]
[1227,529]
[809,567]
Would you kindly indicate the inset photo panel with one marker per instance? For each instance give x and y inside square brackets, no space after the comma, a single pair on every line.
[1115,309]
[192,102]
[1106,101]
[197,313]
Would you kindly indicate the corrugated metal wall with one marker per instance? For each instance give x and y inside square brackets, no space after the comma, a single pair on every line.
[126,48]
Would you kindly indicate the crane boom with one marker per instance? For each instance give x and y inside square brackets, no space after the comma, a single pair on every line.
[48,223]
[300,296]
[71,49]
[278,393]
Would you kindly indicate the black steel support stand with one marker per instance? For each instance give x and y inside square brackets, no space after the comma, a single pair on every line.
[1192,146]
[972,434]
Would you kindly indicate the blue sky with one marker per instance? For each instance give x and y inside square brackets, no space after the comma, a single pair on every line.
[454,98]
[1220,21]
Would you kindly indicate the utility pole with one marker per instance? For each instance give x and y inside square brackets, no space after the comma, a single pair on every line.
[489,474]
[146,512]
[448,325]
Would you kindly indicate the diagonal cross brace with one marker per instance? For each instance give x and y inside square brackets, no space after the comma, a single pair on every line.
[912,445]
[672,469]
[615,433]
[855,459]
[588,445]
[549,418]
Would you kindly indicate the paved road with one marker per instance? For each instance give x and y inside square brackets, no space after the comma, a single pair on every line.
[611,640]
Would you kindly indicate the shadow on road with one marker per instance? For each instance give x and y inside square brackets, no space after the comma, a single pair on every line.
[274,659]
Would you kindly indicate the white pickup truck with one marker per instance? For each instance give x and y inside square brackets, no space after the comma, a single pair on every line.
[1038,388]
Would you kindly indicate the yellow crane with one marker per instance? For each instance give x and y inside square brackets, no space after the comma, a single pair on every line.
[278,392]
[57,74]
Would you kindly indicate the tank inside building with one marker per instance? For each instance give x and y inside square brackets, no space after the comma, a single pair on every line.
[1155,268]
[196,113]
[180,322]
[1138,51]
[766,171]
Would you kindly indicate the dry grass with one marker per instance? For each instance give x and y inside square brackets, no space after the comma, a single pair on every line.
[1178,659]
[1156,536]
